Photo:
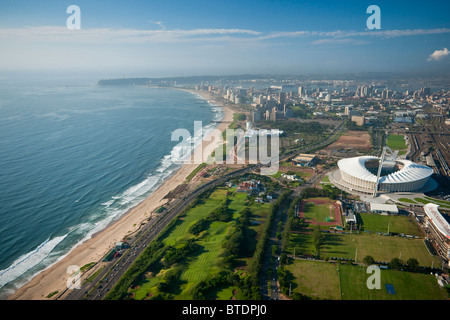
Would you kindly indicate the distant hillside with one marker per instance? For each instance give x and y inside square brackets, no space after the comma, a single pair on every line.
[442,80]
[123,82]
[184,80]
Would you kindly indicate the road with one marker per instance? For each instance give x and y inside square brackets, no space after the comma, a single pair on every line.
[112,271]
[273,293]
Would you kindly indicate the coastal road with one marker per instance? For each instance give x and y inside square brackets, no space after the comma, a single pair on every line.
[112,271]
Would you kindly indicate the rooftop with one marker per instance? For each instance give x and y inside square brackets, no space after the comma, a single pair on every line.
[431,210]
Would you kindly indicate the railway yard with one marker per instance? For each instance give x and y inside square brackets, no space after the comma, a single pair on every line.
[429,143]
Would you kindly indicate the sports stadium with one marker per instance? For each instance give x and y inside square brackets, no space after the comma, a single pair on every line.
[365,175]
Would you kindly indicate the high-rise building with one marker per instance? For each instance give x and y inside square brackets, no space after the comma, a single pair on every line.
[425,91]
[348,110]
[359,120]
[288,113]
[257,116]
[282,97]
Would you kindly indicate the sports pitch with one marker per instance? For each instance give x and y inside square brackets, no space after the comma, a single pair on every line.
[322,211]
[351,246]
[321,280]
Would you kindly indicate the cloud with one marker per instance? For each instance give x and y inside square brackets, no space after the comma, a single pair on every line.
[437,55]
[206,35]
[105,35]
[339,41]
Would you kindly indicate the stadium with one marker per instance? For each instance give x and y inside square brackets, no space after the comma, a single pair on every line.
[364,175]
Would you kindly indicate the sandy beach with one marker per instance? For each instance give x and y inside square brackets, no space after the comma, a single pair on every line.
[95,248]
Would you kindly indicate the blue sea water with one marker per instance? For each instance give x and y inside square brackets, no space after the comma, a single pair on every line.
[74,158]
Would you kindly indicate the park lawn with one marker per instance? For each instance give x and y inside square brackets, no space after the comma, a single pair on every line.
[301,243]
[316,279]
[146,288]
[407,200]
[277,175]
[320,212]
[228,293]
[349,246]
[304,174]
[395,223]
[181,229]
[320,280]
[259,214]
[407,285]
[396,142]
[206,260]
[199,265]
[239,200]
[381,248]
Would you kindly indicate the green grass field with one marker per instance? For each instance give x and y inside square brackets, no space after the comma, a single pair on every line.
[180,231]
[320,212]
[396,142]
[393,223]
[381,248]
[206,260]
[315,279]
[407,285]
[320,280]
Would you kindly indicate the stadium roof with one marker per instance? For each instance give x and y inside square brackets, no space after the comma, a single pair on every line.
[410,172]
[431,210]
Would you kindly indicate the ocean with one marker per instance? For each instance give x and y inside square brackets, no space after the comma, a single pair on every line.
[74,157]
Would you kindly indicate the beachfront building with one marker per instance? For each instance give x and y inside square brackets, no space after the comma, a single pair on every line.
[438,230]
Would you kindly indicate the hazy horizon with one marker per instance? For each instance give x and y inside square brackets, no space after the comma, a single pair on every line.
[191,38]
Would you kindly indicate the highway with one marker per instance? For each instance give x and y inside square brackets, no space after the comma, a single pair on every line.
[112,271]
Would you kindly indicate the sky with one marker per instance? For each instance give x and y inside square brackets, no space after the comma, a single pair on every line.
[159,38]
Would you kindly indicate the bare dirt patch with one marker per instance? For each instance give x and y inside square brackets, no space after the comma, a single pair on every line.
[357,140]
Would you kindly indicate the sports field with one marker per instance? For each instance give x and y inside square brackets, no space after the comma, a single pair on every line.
[351,246]
[323,211]
[406,285]
[392,223]
[396,142]
[321,280]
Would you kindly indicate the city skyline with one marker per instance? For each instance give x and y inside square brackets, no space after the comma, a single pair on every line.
[176,38]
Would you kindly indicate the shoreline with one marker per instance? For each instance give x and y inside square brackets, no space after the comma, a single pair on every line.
[97,246]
